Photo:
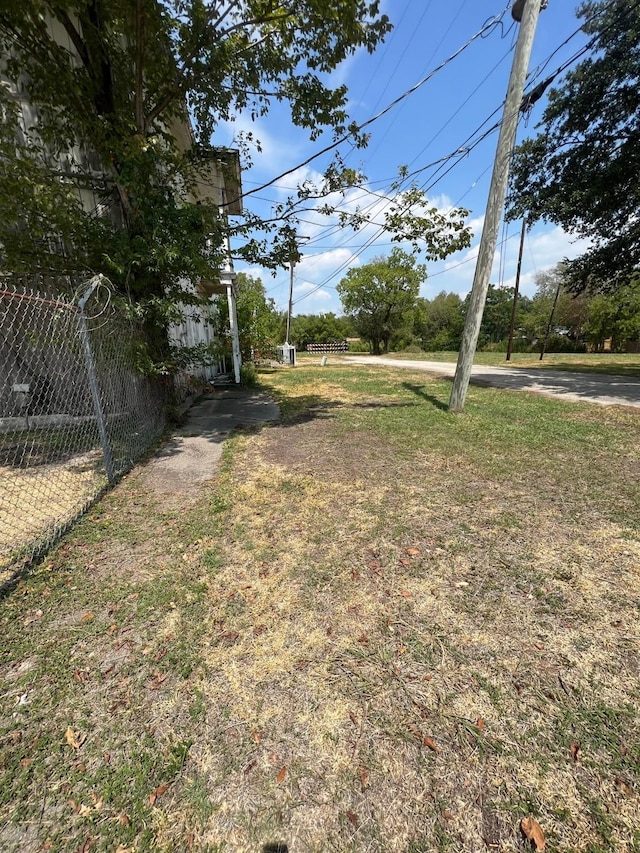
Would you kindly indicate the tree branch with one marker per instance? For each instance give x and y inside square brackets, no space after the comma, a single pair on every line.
[139,70]
[181,79]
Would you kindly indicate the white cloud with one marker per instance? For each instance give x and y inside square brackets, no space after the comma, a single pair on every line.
[545,246]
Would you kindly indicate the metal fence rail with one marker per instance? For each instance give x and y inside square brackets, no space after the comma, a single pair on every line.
[74,413]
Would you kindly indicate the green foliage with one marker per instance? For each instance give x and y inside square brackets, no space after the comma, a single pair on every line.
[248,375]
[439,322]
[615,316]
[105,86]
[259,322]
[103,173]
[581,170]
[579,320]
[380,296]
[318,329]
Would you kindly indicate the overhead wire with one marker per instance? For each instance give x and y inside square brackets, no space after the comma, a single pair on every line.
[558,71]
[377,116]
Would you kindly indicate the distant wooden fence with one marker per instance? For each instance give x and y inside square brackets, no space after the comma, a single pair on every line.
[334,346]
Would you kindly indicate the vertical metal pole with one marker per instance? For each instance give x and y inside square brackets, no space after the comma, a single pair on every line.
[233,328]
[516,290]
[93,384]
[495,203]
[231,301]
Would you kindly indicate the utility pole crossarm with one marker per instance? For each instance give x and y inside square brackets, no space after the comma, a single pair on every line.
[495,203]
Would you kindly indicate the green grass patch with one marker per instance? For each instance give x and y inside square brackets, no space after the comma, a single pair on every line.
[380,627]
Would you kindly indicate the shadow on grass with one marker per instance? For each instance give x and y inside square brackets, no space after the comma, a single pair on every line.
[430,398]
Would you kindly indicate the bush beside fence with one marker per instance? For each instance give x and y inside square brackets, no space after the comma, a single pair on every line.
[74,413]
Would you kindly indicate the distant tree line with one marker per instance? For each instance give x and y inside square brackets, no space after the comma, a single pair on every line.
[384,311]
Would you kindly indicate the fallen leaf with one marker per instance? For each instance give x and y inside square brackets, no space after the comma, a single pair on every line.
[256,736]
[480,724]
[25,762]
[112,629]
[533,831]
[364,776]
[461,584]
[74,738]
[353,817]
[123,819]
[405,594]
[157,679]
[79,676]
[430,742]
[623,787]
[88,617]
[281,775]
[353,718]
[446,814]
[229,636]
[86,845]
[539,646]
[158,792]
[413,552]
[363,639]
[159,655]
[404,562]
[574,749]
[107,758]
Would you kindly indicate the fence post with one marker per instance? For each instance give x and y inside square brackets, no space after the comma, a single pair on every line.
[93,379]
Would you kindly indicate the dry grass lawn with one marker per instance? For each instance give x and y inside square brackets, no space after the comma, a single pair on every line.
[380,628]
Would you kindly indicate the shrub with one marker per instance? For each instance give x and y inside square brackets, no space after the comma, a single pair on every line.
[248,375]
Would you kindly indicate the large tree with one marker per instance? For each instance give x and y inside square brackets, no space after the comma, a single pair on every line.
[581,171]
[380,297]
[113,79]
[439,322]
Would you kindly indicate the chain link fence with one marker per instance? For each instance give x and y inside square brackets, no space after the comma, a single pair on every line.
[74,412]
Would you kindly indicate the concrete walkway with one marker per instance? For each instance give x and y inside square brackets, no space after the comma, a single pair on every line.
[598,388]
[192,455]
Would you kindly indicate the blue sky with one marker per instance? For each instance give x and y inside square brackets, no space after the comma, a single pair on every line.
[430,124]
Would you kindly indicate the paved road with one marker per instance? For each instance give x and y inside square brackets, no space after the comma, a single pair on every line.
[586,387]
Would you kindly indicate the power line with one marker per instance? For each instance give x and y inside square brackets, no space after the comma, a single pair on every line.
[382,112]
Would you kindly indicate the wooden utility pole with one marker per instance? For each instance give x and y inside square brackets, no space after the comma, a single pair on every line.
[495,202]
[550,323]
[291,269]
[516,290]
